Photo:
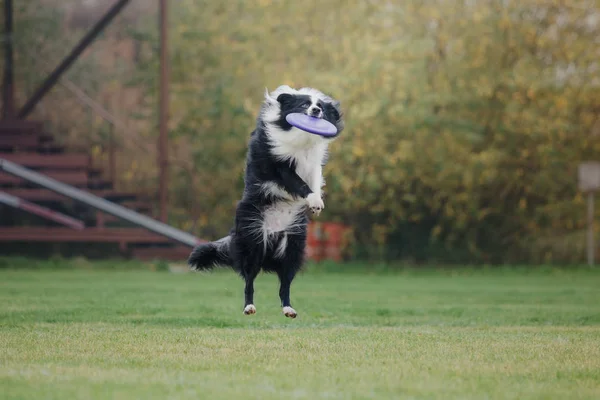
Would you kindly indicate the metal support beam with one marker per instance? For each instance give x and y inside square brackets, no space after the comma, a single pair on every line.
[43,212]
[8,90]
[71,58]
[99,203]
[163,113]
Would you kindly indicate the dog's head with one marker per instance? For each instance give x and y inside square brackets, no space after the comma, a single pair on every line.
[284,100]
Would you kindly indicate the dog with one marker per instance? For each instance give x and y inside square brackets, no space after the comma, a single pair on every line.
[283,184]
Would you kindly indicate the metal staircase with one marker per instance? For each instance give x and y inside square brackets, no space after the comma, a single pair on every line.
[35,169]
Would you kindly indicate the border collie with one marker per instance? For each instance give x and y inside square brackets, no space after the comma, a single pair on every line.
[283,182]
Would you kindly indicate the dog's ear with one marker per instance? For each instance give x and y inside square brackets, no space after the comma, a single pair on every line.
[285,98]
[334,110]
[268,97]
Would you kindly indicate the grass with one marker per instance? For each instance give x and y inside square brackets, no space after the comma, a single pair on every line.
[93,333]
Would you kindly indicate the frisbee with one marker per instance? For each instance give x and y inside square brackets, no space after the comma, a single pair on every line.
[310,124]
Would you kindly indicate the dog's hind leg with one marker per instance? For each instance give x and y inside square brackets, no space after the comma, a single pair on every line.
[249,277]
[285,279]
[285,272]
[287,267]
[246,259]
[249,268]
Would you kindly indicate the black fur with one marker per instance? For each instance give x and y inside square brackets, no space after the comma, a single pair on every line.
[243,249]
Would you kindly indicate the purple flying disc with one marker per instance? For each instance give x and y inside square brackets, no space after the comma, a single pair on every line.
[310,124]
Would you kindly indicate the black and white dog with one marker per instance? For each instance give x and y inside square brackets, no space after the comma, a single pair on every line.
[283,181]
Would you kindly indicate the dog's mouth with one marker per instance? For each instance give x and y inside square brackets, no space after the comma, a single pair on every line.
[318,115]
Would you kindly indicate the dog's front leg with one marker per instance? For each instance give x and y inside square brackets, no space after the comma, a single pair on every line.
[296,186]
[316,185]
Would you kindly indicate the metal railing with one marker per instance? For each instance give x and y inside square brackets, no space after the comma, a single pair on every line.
[99,203]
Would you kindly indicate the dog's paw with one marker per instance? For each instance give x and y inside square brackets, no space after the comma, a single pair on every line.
[315,203]
[250,309]
[289,312]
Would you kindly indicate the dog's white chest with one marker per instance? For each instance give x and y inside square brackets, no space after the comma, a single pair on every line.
[307,163]
[305,149]
[282,216]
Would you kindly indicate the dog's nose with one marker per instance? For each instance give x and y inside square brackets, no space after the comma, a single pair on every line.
[315,111]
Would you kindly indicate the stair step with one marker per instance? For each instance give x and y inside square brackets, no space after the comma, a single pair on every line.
[20,127]
[44,195]
[94,171]
[75,178]
[95,235]
[31,143]
[49,161]
[21,141]
[25,143]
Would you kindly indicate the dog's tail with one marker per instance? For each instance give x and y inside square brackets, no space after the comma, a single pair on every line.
[209,255]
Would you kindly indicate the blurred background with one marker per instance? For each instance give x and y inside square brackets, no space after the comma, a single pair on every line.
[466,122]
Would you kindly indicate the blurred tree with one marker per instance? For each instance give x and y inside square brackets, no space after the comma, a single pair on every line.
[33,29]
[465,120]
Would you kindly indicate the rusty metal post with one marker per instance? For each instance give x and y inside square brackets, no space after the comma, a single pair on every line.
[112,158]
[589,183]
[8,90]
[163,112]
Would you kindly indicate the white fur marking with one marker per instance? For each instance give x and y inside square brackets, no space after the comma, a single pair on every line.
[307,150]
[296,144]
[250,309]
[280,252]
[282,216]
[316,180]
[315,202]
[289,312]
[273,189]
[314,105]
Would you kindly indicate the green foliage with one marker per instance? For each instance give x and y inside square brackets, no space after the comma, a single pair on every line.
[465,120]
[35,30]
[42,37]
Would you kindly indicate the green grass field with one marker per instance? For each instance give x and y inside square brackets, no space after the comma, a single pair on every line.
[95,333]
